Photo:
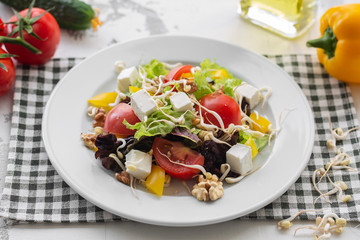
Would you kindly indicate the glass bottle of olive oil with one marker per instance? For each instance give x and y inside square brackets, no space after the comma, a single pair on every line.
[288,18]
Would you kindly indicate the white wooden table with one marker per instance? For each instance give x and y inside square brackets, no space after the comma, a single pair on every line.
[129,19]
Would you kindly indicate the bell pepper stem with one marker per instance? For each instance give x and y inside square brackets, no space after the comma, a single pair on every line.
[327,42]
[21,42]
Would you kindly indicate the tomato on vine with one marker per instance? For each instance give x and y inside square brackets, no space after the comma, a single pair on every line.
[32,35]
[7,72]
[2,31]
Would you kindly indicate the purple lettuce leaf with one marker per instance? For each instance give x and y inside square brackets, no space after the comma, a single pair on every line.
[108,144]
[215,155]
[184,135]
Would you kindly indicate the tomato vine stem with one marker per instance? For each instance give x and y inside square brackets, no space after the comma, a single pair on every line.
[19,41]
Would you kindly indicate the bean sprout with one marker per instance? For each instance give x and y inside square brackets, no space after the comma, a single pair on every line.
[224,169]
[268,93]
[120,96]
[238,179]
[92,111]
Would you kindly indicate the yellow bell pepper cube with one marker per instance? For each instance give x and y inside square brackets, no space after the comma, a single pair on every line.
[155,181]
[103,100]
[133,89]
[219,74]
[261,121]
[187,75]
[250,142]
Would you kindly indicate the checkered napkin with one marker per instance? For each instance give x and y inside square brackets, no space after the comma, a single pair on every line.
[34,192]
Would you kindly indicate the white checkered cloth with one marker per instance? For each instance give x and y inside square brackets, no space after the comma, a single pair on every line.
[34,192]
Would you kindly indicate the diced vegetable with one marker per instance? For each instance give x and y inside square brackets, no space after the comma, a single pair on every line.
[155,181]
[219,74]
[103,100]
[261,121]
[133,89]
[254,151]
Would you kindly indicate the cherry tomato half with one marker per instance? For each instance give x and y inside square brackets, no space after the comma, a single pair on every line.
[178,152]
[46,28]
[176,73]
[114,120]
[6,77]
[224,105]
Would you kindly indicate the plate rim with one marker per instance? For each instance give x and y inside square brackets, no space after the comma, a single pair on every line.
[259,205]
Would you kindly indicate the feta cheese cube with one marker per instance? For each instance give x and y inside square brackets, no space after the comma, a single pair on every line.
[250,93]
[181,102]
[127,77]
[142,104]
[239,158]
[138,164]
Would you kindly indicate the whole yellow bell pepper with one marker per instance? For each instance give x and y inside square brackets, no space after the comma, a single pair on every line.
[339,45]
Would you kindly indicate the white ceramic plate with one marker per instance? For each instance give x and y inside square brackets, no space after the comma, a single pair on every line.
[281,164]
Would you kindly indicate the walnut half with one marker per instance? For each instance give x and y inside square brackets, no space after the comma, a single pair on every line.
[123,177]
[99,118]
[208,188]
[89,140]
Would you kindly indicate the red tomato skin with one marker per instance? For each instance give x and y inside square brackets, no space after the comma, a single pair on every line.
[46,28]
[115,117]
[176,73]
[6,78]
[2,31]
[222,104]
[179,153]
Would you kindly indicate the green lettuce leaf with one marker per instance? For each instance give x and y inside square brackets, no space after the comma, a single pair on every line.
[229,86]
[260,143]
[203,87]
[155,68]
[153,126]
[228,81]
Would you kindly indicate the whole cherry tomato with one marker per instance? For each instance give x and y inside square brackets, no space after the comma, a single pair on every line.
[114,120]
[47,30]
[7,72]
[224,105]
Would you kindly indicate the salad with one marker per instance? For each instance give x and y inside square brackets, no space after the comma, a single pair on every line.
[166,121]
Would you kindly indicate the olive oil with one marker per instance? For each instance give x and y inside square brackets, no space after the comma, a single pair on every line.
[289,18]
